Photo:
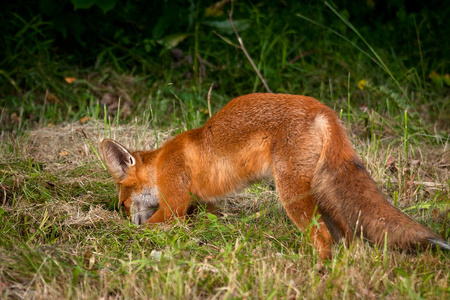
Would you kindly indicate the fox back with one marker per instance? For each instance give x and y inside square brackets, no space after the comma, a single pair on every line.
[295,140]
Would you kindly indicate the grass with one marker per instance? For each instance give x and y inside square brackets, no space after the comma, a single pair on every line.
[62,235]
[313,51]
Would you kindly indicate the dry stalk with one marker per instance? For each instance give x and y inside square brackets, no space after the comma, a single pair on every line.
[242,47]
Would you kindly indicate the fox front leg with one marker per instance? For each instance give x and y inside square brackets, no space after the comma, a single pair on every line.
[174,201]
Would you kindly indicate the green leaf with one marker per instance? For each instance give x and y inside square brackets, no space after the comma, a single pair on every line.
[211,217]
[171,41]
[224,26]
[425,205]
[106,5]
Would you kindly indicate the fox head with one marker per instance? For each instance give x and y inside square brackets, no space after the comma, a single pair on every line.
[134,176]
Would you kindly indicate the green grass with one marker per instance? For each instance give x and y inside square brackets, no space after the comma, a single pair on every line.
[315,50]
[62,236]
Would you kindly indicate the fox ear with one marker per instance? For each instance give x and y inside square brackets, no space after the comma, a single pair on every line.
[118,159]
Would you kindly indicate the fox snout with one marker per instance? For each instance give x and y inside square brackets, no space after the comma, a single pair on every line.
[144,205]
[139,217]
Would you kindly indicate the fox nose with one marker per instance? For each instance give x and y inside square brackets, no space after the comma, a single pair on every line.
[138,219]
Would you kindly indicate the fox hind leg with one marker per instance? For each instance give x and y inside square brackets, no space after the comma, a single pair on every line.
[300,206]
[293,182]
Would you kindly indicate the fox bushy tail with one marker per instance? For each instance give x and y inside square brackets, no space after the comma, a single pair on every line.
[351,203]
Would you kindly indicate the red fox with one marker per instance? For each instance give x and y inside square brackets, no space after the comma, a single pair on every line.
[297,141]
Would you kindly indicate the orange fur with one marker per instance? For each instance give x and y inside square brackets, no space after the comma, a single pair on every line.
[297,141]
